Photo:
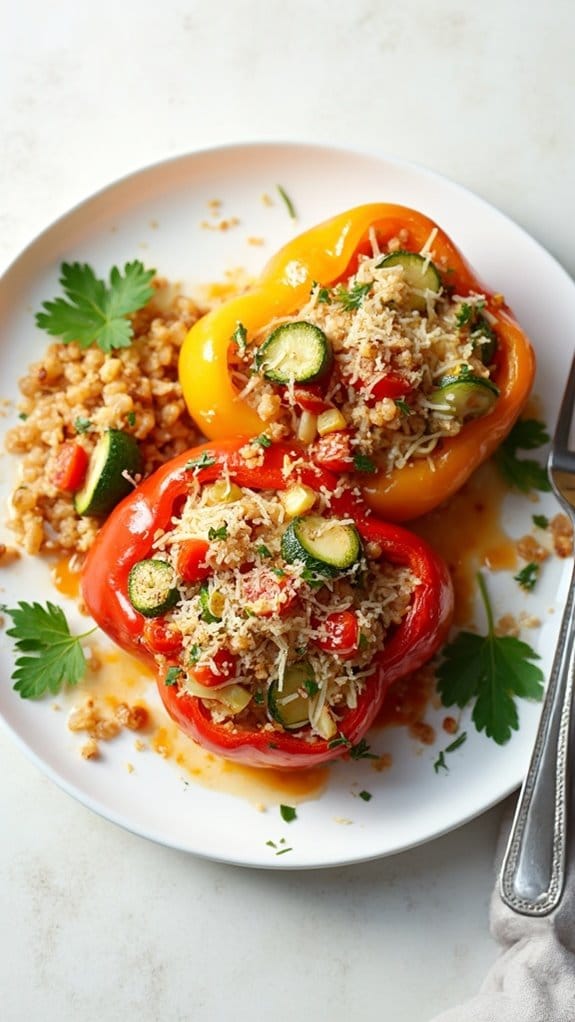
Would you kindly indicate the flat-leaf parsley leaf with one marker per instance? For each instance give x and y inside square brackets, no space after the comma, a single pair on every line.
[52,655]
[93,311]
[491,670]
[523,473]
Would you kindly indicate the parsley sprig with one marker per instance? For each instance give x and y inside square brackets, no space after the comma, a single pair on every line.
[490,671]
[49,655]
[523,473]
[96,312]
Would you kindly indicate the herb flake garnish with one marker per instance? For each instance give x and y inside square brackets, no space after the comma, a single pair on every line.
[362,463]
[263,551]
[528,576]
[489,671]
[262,440]
[204,460]
[351,298]
[54,657]
[96,312]
[240,337]
[288,202]
[541,521]
[366,796]
[523,473]
[82,425]
[221,533]
[402,406]
[288,813]
[172,675]
[440,763]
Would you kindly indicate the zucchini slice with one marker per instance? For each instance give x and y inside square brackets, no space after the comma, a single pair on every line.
[323,545]
[288,707]
[234,698]
[465,397]
[298,352]
[152,587]
[115,455]
[418,273]
[211,603]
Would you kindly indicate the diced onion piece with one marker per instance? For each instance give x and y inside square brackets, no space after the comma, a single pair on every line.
[235,698]
[307,428]
[325,724]
[330,421]
[222,492]
[297,499]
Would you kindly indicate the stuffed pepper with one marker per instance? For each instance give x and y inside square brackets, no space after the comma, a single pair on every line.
[274,606]
[371,341]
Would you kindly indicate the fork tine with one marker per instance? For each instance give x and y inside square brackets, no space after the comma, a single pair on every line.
[563,427]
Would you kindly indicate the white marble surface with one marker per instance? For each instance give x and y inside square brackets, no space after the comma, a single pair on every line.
[98,924]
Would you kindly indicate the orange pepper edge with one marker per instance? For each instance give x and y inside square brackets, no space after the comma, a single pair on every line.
[322,254]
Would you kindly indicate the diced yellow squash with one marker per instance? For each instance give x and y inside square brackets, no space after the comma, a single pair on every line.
[297,499]
[330,421]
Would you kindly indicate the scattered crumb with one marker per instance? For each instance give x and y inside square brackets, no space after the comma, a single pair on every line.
[220,225]
[261,808]
[267,200]
[562,534]
[527,620]
[8,554]
[507,625]
[342,820]
[130,768]
[139,745]
[530,550]
[423,732]
[154,224]
[90,750]
[450,725]
[256,241]
[56,707]
[383,762]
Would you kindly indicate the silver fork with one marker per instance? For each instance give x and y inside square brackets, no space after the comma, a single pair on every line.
[533,871]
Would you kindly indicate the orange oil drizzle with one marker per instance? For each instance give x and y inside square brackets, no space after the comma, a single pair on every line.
[64,579]
[121,678]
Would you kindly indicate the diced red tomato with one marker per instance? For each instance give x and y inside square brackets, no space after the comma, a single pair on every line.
[225,667]
[265,593]
[333,452]
[339,633]
[311,399]
[71,466]
[191,562]
[161,637]
[391,385]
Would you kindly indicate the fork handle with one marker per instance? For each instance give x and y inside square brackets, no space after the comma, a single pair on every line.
[533,870]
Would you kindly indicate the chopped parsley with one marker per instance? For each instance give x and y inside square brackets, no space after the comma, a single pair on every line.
[362,463]
[540,521]
[359,751]
[440,763]
[322,294]
[131,418]
[351,298]
[82,425]
[221,533]
[288,813]
[402,406]
[311,686]
[204,460]
[366,796]
[195,653]
[172,675]
[263,440]
[528,576]
[263,551]
[288,202]
[240,337]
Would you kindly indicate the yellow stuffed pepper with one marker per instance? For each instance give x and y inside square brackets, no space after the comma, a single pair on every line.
[370,340]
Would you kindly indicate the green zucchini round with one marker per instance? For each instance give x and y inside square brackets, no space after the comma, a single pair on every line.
[419,274]
[323,545]
[115,456]
[295,352]
[292,714]
[151,587]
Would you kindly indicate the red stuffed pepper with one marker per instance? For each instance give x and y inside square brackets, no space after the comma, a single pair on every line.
[275,608]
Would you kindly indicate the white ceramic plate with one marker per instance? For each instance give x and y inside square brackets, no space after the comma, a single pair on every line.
[156,215]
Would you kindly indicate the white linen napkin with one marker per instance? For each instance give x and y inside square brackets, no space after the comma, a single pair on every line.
[533,979]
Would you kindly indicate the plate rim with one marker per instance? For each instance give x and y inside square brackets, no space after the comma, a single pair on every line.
[156,166]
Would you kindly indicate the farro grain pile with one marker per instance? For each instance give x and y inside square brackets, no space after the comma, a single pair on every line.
[134,389]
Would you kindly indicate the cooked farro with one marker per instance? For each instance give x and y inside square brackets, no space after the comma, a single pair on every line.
[134,389]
